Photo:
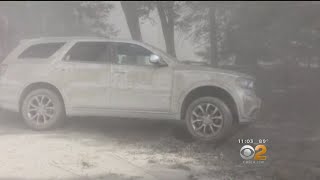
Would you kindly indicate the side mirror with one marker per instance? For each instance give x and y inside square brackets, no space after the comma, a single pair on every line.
[155,59]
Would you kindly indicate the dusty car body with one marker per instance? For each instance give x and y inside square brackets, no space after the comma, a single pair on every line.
[131,80]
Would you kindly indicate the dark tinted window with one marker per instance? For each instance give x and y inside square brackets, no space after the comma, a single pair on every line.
[132,54]
[88,51]
[41,50]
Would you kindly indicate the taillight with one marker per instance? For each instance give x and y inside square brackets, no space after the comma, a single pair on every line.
[3,69]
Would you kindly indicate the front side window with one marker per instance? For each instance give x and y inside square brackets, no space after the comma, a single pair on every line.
[132,54]
[95,52]
[41,51]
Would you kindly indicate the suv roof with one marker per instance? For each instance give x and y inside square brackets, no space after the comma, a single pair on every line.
[77,38]
[32,41]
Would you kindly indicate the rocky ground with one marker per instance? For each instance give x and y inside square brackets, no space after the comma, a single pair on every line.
[100,148]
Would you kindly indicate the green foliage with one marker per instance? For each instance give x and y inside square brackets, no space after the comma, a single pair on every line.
[253,31]
[95,15]
[273,30]
[52,18]
[198,27]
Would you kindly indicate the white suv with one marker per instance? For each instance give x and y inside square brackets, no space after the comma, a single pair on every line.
[47,79]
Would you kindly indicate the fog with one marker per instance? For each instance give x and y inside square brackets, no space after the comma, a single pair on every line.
[275,43]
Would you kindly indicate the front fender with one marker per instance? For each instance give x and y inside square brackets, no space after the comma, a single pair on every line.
[228,87]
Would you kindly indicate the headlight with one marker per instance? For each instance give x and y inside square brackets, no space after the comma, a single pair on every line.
[245,83]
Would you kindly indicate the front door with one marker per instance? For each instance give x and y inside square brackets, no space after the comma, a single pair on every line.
[138,85]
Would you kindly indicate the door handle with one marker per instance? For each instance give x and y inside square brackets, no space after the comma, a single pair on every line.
[120,72]
[64,69]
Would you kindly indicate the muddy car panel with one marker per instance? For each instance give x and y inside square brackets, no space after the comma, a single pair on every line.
[106,89]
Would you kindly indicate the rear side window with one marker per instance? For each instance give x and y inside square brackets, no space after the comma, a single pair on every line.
[41,50]
[95,52]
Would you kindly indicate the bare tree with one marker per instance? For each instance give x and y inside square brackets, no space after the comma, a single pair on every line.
[130,10]
[3,35]
[213,37]
[167,15]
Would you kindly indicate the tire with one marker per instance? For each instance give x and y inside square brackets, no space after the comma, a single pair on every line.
[218,123]
[43,109]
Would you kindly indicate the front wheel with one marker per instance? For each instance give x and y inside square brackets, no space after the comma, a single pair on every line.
[209,119]
[42,109]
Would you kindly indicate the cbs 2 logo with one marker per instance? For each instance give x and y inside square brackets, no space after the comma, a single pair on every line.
[248,152]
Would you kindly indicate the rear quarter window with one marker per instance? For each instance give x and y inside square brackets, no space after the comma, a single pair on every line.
[40,51]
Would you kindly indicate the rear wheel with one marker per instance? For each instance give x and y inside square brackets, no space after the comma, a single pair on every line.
[42,109]
[209,119]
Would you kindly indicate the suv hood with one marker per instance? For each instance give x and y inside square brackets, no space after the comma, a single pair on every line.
[205,68]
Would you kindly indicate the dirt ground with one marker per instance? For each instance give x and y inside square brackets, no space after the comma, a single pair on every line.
[101,148]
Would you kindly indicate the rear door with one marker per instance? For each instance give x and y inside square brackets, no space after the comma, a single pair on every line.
[85,72]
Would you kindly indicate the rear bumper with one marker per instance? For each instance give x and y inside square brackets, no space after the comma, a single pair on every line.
[9,97]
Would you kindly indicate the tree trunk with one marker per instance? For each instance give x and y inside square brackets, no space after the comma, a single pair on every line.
[130,12]
[3,36]
[213,37]
[166,16]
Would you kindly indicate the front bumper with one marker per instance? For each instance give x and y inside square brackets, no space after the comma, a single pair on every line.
[250,106]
